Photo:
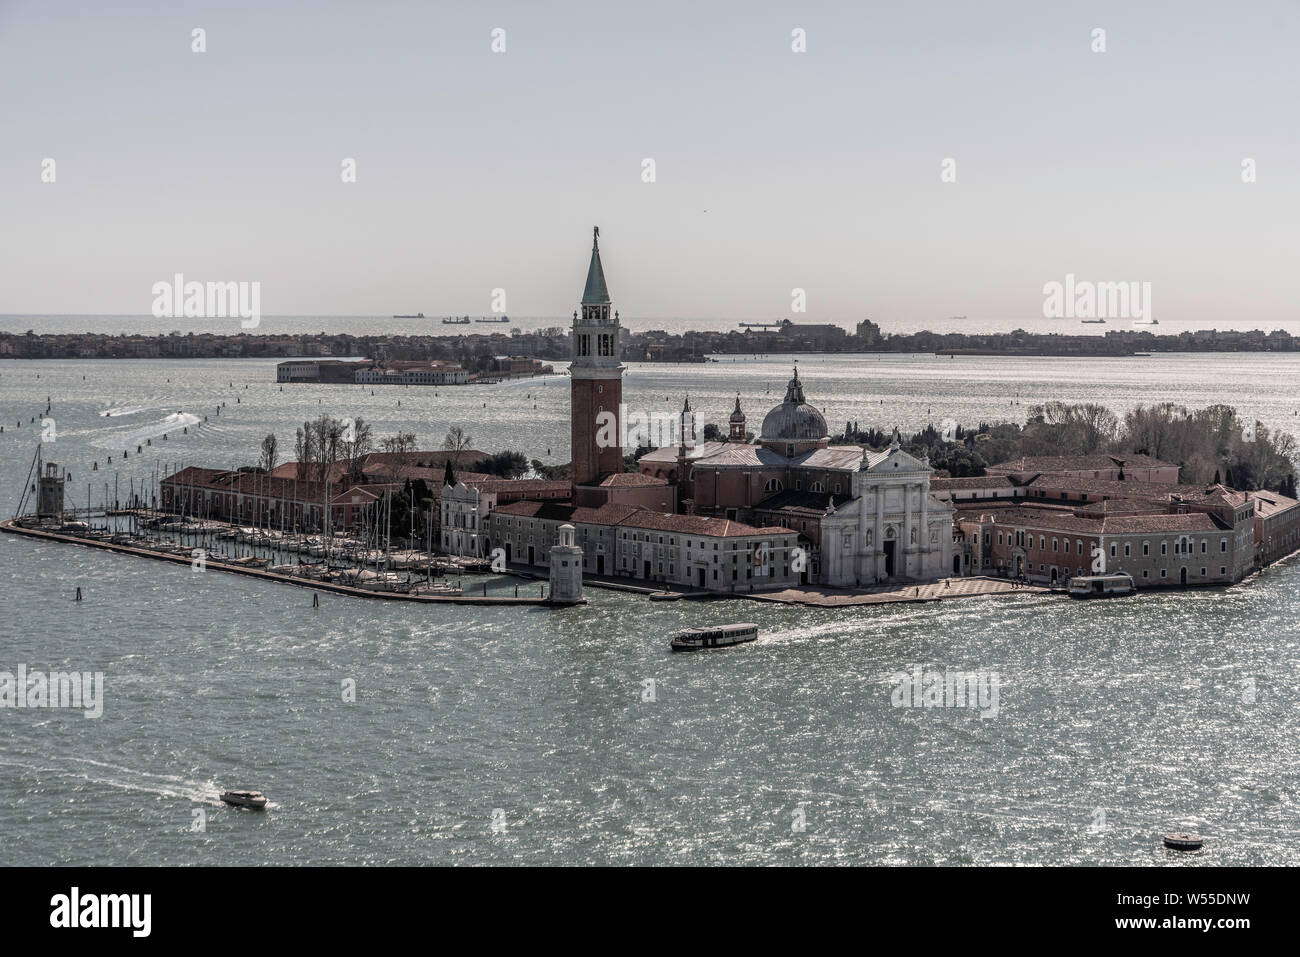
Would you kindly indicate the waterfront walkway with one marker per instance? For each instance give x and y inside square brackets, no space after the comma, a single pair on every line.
[944,588]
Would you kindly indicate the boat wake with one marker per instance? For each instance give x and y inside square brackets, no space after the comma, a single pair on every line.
[175,424]
[124,410]
[128,779]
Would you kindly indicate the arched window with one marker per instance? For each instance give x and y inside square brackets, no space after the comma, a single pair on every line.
[773,485]
[817,487]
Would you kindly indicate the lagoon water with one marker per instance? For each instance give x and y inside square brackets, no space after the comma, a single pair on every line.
[495,735]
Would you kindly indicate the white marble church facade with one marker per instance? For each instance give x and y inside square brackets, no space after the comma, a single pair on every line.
[891,528]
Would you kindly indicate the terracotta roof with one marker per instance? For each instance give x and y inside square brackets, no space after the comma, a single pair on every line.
[717,455]
[845,458]
[634,516]
[557,511]
[630,480]
[696,525]
[1068,463]
[971,481]
[374,462]
[1058,520]
[1270,503]
[491,483]
[802,503]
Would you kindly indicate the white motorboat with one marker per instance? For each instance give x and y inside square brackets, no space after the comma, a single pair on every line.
[253,800]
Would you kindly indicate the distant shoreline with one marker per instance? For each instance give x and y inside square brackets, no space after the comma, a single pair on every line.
[651,346]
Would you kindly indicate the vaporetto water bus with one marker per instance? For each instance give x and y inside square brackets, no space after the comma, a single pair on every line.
[1102,586]
[717,636]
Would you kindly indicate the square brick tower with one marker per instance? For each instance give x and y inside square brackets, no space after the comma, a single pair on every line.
[597,381]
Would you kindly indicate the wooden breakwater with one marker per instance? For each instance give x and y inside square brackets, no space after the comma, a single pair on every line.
[12,527]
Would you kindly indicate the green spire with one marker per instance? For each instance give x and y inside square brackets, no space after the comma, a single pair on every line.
[596,292]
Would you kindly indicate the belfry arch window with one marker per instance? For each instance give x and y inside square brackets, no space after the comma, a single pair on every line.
[773,485]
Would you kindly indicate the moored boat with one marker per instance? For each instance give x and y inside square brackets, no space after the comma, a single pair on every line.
[1102,586]
[715,636]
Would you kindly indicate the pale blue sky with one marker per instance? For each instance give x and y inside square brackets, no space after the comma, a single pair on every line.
[818,170]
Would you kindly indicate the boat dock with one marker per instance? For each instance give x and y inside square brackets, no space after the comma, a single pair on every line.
[14,528]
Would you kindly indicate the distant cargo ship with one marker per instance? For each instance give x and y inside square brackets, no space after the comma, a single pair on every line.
[500,319]
[418,315]
[1146,322]
[1090,321]
[453,321]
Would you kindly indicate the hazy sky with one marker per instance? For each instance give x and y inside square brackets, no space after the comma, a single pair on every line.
[775,169]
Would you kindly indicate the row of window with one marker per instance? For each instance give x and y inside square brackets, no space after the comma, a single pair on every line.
[1182,546]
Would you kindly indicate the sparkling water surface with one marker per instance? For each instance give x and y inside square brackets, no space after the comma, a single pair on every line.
[1116,720]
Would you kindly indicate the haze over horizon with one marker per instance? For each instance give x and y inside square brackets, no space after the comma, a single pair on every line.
[775,170]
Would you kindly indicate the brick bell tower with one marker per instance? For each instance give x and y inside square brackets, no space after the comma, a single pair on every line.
[597,380]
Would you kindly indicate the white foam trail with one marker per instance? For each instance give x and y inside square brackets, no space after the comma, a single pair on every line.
[163,785]
[124,410]
[174,423]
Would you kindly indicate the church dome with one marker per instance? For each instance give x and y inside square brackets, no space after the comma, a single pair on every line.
[794,419]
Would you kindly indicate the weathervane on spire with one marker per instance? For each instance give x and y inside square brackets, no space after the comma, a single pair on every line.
[595,234]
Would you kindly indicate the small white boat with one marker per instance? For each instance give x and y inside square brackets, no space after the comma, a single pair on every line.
[717,636]
[254,800]
[1102,586]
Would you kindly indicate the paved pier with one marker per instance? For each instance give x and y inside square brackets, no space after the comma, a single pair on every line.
[891,594]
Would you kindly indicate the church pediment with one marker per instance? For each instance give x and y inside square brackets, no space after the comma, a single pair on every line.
[894,461]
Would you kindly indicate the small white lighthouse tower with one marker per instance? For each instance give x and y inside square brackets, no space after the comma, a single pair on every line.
[566,569]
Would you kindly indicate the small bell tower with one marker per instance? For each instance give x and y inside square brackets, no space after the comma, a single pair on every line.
[737,423]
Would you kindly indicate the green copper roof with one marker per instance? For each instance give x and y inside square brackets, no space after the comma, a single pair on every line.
[596,291]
